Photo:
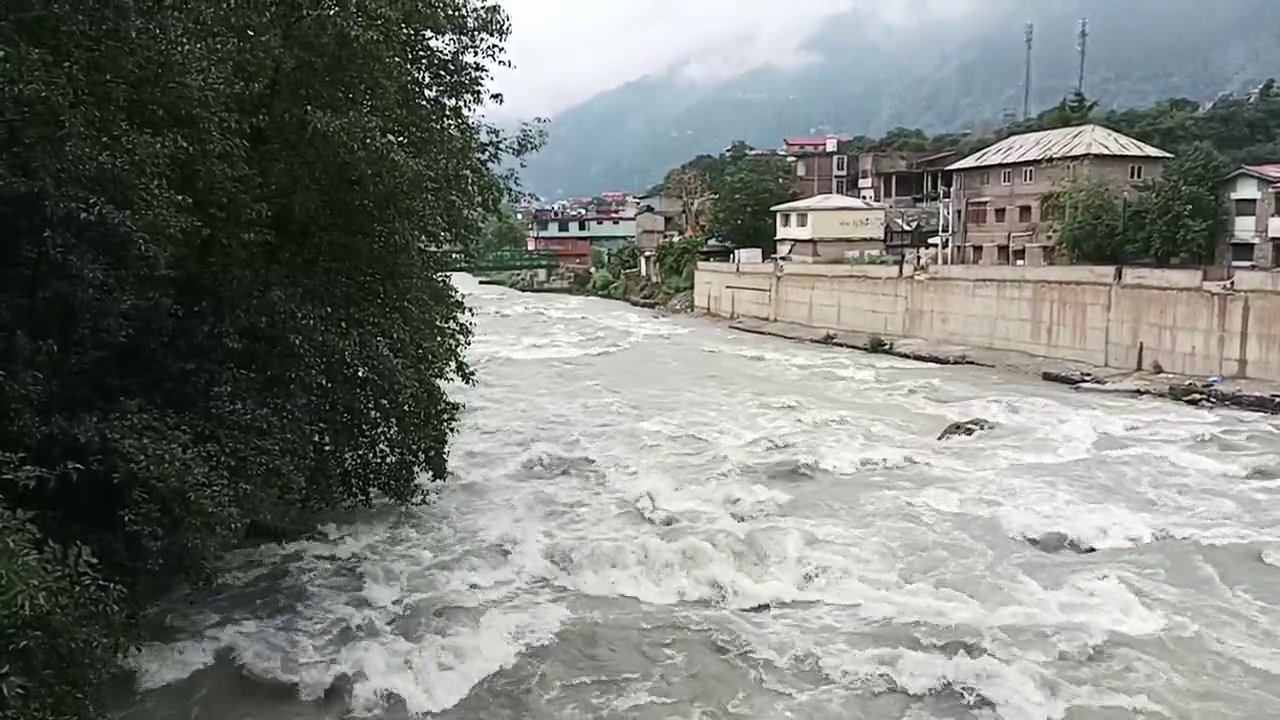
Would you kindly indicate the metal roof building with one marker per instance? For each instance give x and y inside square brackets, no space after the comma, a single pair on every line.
[1061,144]
[828,201]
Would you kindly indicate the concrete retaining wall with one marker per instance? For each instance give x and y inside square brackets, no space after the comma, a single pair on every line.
[1105,316]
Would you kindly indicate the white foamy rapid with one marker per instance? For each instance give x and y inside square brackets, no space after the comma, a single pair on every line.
[656,518]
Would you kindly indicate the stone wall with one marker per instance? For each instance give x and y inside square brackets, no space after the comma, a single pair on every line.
[1108,317]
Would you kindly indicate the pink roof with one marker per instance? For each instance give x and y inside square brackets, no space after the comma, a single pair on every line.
[1270,172]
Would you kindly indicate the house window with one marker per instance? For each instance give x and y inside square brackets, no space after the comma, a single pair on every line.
[784,219]
[563,226]
[802,219]
[1006,176]
[582,225]
[1028,175]
[1136,173]
[1000,216]
[1246,208]
[541,225]
[1024,213]
[864,173]
[615,222]
[800,168]
[1242,252]
[841,186]
[1275,204]
[984,178]
[842,164]
[978,214]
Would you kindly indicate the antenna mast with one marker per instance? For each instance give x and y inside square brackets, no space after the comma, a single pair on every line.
[1026,83]
[1082,46]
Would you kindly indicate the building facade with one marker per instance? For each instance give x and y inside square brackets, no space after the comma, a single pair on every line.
[829,228]
[1000,192]
[572,237]
[1252,194]
[900,179]
[821,164]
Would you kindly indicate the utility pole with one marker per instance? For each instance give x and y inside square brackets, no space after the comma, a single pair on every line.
[1026,83]
[1082,46]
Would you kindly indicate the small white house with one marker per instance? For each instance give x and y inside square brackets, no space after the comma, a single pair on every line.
[830,228]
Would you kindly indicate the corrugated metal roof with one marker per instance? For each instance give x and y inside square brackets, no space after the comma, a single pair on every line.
[1269,172]
[1060,144]
[828,202]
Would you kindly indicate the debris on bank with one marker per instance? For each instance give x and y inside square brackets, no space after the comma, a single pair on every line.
[1212,392]
[1189,392]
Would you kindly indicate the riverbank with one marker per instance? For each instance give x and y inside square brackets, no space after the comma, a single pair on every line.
[680,302]
[1256,396]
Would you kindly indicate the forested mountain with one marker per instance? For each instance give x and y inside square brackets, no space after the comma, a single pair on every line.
[938,76]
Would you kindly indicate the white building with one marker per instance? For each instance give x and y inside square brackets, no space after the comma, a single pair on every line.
[1253,233]
[830,228]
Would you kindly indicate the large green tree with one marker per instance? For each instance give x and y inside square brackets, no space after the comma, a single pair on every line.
[218,309]
[748,186]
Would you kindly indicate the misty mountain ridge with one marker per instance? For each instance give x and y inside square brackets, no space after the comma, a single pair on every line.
[864,78]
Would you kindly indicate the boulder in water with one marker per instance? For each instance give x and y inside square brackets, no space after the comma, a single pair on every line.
[339,691]
[1055,542]
[965,428]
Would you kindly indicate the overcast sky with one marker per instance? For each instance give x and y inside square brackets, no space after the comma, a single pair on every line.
[565,51]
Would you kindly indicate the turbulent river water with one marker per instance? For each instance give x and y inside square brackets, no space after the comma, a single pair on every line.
[659,518]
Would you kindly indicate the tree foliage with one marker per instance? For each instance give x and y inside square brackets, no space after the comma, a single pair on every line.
[218,316]
[1178,217]
[748,187]
[502,231]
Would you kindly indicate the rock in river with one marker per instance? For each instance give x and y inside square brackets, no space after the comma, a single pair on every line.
[965,428]
[1054,542]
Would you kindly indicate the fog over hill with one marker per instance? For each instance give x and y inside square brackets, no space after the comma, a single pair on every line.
[939,71]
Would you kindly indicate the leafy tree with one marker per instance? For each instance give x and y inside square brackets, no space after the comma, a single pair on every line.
[217,315]
[1181,217]
[750,185]
[1091,228]
[503,231]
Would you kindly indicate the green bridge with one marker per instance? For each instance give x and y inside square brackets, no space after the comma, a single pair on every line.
[498,260]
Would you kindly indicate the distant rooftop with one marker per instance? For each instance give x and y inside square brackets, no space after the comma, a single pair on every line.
[1061,144]
[828,202]
[813,139]
[1270,173]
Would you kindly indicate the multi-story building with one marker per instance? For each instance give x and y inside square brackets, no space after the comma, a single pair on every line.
[658,218]
[999,192]
[572,237]
[1253,210]
[821,164]
[902,179]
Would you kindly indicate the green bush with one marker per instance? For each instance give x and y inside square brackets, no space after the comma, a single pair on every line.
[218,316]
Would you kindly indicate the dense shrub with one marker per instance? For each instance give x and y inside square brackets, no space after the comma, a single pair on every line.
[218,312]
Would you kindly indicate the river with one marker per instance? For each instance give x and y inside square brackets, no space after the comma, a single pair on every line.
[659,518]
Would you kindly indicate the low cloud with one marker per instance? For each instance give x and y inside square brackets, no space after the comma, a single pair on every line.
[566,51]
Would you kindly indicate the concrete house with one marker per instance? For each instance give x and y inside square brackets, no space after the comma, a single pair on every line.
[573,235]
[829,228]
[1253,217]
[998,191]
[820,164]
[902,179]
